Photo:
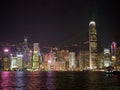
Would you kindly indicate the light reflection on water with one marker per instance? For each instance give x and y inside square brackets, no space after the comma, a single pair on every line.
[19,80]
[10,80]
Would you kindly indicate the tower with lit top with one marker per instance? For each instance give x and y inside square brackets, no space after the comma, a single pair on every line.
[113,48]
[92,45]
[113,53]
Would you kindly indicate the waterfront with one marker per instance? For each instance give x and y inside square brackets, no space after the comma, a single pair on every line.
[19,80]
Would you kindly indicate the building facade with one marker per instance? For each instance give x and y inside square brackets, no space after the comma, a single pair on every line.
[36,58]
[92,45]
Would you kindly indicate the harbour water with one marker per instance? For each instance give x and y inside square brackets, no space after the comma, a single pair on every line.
[19,80]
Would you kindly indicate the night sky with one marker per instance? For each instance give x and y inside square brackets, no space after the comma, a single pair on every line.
[59,22]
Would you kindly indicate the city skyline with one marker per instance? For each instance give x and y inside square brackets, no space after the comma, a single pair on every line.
[56,23]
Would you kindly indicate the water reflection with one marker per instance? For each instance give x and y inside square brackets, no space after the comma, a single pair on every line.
[20,80]
[50,81]
[33,82]
[40,81]
[6,81]
[58,81]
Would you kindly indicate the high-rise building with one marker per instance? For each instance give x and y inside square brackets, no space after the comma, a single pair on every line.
[107,61]
[113,49]
[83,60]
[118,58]
[13,65]
[36,58]
[113,53]
[72,60]
[16,62]
[6,59]
[92,45]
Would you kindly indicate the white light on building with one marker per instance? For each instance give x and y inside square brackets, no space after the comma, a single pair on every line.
[72,60]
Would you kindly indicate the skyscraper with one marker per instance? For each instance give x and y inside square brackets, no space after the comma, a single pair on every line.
[113,53]
[72,60]
[92,45]
[36,58]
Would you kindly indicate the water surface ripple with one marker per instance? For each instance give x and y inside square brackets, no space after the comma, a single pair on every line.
[19,80]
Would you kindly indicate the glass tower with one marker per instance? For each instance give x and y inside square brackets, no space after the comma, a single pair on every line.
[92,45]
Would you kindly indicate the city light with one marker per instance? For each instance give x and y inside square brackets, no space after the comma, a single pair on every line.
[30,51]
[49,61]
[6,50]
[35,59]
[92,23]
[19,55]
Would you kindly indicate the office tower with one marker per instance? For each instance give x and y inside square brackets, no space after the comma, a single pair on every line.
[6,59]
[72,60]
[107,61]
[113,49]
[92,45]
[83,58]
[36,57]
[113,53]
[118,58]
[16,62]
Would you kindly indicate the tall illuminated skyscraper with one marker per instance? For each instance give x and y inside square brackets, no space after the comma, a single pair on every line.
[36,58]
[72,60]
[113,48]
[113,53]
[92,45]
[26,52]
